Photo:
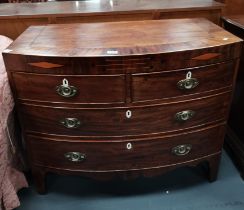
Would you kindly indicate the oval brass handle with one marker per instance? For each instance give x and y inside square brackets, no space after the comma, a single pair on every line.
[75,156]
[70,122]
[184,115]
[188,84]
[66,90]
[183,149]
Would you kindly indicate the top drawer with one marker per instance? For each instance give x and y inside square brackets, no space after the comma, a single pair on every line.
[119,64]
[100,89]
[160,85]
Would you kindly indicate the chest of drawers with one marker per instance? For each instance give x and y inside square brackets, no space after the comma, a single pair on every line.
[126,99]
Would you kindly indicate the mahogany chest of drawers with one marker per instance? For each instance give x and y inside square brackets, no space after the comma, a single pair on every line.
[123,99]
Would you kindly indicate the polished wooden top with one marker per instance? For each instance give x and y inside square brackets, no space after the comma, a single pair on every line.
[120,38]
[237,20]
[103,6]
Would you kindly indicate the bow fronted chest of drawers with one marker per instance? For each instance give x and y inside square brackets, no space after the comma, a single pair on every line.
[123,99]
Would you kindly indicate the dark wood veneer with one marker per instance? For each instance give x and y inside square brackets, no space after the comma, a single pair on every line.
[126,76]
[114,156]
[147,86]
[165,61]
[98,92]
[113,122]
[158,85]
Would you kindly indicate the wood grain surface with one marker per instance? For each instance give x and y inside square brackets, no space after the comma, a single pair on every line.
[103,7]
[113,122]
[127,98]
[16,18]
[113,156]
[139,38]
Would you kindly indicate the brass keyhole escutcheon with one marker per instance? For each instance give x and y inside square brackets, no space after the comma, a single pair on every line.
[188,83]
[66,90]
[181,150]
[70,122]
[75,156]
[184,115]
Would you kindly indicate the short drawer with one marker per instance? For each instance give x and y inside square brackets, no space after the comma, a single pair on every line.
[125,121]
[129,155]
[152,86]
[70,89]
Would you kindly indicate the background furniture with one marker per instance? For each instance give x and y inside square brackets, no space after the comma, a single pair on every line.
[11,179]
[143,99]
[235,140]
[233,7]
[27,1]
[15,18]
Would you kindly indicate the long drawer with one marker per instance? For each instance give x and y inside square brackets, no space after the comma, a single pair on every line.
[121,64]
[125,121]
[159,85]
[70,89]
[130,155]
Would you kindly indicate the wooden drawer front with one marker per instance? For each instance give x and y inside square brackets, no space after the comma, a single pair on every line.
[80,66]
[122,64]
[114,122]
[59,65]
[164,85]
[99,156]
[198,57]
[90,89]
[90,66]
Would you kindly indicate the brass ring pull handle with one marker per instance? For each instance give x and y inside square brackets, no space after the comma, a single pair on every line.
[70,122]
[181,150]
[189,83]
[66,90]
[75,156]
[184,115]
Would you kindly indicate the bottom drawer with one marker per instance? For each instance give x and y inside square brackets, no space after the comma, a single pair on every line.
[126,155]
